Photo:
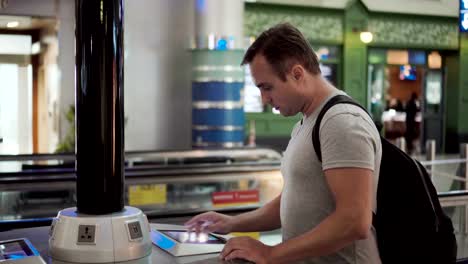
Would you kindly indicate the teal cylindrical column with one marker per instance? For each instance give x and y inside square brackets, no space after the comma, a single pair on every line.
[217,98]
[217,77]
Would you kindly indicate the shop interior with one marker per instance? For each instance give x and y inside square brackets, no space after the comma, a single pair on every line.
[406,83]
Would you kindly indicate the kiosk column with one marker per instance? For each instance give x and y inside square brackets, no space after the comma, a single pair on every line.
[99,106]
[100,229]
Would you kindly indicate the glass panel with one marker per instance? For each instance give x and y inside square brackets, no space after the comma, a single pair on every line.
[15,109]
[15,44]
[457,215]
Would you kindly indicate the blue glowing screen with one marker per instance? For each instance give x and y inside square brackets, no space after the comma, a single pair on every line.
[463,18]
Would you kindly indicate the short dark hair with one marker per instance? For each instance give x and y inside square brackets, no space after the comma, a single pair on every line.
[283,46]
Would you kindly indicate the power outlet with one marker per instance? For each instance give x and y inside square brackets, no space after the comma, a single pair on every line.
[134,230]
[86,234]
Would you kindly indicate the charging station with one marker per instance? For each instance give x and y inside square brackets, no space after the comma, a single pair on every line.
[100,229]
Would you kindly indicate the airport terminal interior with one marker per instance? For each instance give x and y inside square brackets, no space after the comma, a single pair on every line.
[139,114]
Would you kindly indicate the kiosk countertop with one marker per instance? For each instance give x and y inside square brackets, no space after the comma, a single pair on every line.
[39,237]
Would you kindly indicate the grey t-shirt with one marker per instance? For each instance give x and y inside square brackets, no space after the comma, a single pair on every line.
[348,139]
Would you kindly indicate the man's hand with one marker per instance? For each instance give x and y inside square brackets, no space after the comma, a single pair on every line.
[248,249]
[211,222]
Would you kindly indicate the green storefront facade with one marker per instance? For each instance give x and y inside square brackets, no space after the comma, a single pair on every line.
[341,28]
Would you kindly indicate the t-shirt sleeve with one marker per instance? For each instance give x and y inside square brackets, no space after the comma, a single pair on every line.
[347,141]
[295,128]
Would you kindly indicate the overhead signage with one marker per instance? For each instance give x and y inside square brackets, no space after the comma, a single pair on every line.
[463,19]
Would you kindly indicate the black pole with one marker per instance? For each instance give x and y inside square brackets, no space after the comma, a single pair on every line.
[99,106]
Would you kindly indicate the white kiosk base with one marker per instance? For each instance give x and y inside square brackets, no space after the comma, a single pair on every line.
[115,237]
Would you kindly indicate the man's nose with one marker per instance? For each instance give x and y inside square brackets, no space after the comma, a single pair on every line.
[265,98]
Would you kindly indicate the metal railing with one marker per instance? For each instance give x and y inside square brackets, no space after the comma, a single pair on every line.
[454,172]
[453,176]
[246,153]
[460,178]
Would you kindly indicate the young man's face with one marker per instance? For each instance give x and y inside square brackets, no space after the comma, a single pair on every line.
[281,95]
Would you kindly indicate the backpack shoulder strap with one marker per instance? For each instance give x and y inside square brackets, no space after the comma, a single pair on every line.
[338,99]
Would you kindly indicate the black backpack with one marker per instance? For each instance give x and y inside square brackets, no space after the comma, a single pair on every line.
[410,224]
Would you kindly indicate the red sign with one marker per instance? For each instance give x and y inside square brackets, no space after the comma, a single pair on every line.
[247,196]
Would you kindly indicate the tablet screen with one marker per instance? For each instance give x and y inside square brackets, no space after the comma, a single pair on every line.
[192,237]
[14,250]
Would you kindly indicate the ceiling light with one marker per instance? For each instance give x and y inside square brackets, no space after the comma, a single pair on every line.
[366,37]
[12,24]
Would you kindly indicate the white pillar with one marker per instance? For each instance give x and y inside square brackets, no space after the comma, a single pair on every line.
[219,18]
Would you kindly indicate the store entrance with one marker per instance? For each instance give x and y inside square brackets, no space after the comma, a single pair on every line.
[406,99]
[399,97]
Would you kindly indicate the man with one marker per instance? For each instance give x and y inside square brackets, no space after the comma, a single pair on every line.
[325,209]
[411,131]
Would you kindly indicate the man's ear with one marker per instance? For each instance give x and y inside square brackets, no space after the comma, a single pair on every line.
[297,72]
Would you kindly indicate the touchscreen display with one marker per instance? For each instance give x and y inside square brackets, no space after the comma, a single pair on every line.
[192,237]
[14,250]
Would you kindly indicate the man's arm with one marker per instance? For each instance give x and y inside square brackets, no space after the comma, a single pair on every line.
[265,218]
[351,220]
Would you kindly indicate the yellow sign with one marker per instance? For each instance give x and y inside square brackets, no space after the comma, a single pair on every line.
[254,235]
[147,194]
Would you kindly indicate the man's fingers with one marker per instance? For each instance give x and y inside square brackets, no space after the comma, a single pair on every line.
[232,244]
[199,222]
[194,220]
[238,254]
[211,227]
[227,249]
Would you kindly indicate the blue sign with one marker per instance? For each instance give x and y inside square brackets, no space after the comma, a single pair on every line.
[463,20]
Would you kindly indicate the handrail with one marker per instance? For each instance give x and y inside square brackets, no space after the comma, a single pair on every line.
[160,162]
[170,154]
[452,193]
[453,198]
[36,157]
[67,175]
[442,161]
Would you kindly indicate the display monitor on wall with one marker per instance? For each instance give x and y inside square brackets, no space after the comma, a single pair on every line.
[407,73]
[463,18]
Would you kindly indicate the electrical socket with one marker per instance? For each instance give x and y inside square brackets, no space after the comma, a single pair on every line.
[134,230]
[86,234]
